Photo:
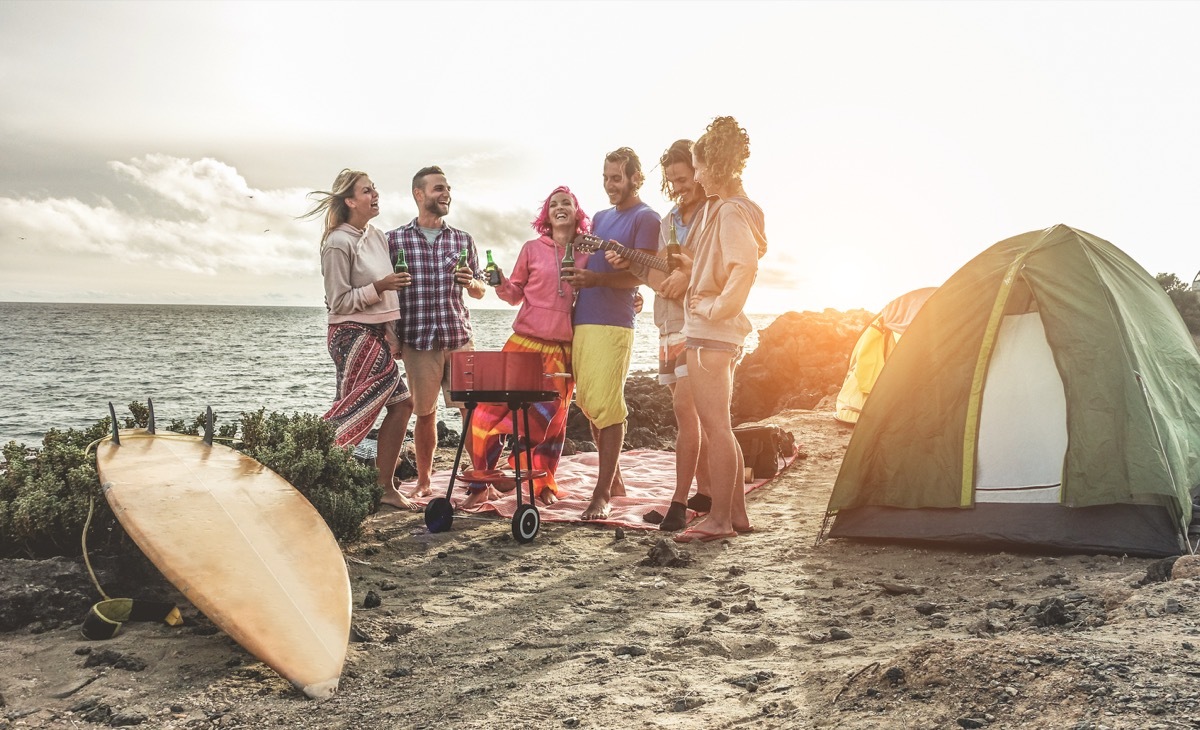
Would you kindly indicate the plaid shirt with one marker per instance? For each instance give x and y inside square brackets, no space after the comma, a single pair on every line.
[433,315]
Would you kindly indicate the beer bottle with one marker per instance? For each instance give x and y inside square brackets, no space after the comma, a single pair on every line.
[672,249]
[462,261]
[492,271]
[568,259]
[401,264]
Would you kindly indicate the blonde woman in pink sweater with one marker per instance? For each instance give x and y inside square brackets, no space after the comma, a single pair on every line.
[543,326]
[360,295]
[728,240]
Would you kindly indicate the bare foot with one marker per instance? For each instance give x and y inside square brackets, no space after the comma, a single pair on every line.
[393,497]
[421,490]
[548,497]
[598,509]
[476,498]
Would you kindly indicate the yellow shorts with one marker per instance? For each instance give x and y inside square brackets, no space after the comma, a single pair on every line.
[428,373]
[600,360]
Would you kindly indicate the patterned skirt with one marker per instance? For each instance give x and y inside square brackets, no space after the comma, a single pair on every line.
[367,379]
[492,422]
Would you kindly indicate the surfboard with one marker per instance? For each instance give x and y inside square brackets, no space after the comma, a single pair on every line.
[241,544]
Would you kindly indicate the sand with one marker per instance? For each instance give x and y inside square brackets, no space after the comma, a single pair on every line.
[473,630]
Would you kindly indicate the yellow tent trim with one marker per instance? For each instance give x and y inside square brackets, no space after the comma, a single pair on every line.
[975,398]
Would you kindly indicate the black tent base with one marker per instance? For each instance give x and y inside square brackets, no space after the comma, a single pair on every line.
[1137,530]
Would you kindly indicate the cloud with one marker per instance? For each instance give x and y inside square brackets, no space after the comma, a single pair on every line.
[199,230]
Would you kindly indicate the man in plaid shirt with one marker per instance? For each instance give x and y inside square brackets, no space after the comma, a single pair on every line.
[434,321]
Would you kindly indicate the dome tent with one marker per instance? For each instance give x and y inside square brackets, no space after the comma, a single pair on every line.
[873,348]
[1048,395]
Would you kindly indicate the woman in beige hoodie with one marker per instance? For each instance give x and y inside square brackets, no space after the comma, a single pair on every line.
[360,296]
[728,241]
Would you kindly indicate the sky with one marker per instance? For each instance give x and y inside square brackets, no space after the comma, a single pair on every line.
[161,152]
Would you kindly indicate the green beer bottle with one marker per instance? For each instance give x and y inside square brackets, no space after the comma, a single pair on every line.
[401,264]
[492,271]
[462,262]
[568,259]
[672,249]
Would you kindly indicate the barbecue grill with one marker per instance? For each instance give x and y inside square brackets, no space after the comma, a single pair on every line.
[516,380]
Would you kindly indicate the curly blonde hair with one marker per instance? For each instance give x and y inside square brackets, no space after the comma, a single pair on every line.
[724,147]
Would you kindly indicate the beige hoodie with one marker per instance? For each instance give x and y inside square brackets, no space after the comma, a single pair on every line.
[351,262]
[728,240]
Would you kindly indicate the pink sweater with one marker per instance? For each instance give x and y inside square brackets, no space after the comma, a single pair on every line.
[351,262]
[534,284]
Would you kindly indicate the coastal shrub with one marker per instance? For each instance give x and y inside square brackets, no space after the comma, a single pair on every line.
[44,492]
[301,449]
[44,496]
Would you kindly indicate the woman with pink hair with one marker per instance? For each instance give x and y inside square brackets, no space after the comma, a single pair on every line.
[543,325]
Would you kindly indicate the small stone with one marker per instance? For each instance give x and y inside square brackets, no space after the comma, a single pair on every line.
[715,603]
[372,600]
[925,608]
[442,554]
[128,718]
[895,675]
[971,722]
[837,634]
[398,672]
[631,650]
[838,582]
[683,704]
[866,611]
[619,533]
[1172,606]
[571,722]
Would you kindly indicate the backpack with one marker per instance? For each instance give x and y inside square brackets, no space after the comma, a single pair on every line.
[763,447]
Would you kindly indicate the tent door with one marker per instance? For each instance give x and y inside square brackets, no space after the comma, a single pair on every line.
[1023,418]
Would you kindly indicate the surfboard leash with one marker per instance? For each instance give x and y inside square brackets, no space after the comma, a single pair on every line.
[106,617]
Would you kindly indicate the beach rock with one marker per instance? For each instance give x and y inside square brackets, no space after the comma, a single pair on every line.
[128,717]
[649,425]
[1187,566]
[50,591]
[801,358]
[447,437]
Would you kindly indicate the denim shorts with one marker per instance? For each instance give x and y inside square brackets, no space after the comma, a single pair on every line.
[699,343]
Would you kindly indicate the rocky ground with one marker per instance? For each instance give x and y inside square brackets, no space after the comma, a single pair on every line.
[588,627]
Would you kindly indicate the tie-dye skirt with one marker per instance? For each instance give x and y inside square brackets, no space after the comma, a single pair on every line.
[492,422]
[367,379]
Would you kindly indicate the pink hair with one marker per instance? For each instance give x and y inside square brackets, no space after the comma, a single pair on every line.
[541,224]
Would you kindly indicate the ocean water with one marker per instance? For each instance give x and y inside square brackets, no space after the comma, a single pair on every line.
[61,364]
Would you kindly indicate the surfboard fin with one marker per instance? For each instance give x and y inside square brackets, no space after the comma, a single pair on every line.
[208,428]
[150,422]
[112,414]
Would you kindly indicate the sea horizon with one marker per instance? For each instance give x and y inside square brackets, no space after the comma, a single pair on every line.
[63,362]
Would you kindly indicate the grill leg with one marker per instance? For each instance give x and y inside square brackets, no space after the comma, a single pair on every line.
[462,441]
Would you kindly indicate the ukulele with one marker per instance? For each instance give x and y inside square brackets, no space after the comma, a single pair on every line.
[591,244]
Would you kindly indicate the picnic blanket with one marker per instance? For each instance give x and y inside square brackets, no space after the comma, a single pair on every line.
[649,484]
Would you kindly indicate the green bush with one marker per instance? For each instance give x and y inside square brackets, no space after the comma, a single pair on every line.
[44,492]
[44,496]
[300,449]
